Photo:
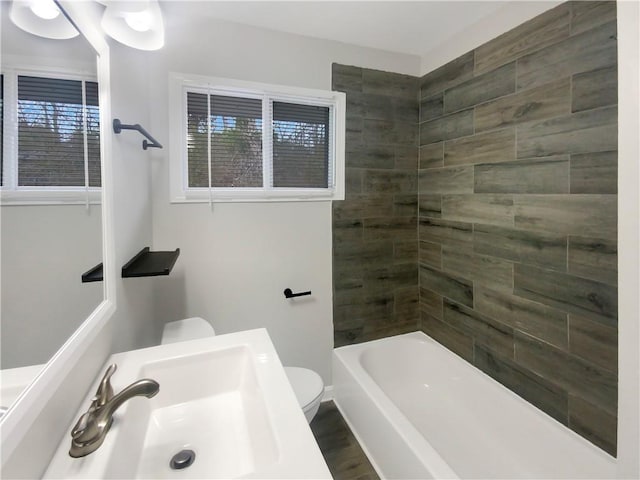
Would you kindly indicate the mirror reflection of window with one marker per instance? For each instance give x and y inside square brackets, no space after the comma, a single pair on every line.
[58,133]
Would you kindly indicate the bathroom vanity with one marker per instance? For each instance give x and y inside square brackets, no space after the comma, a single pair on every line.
[224,398]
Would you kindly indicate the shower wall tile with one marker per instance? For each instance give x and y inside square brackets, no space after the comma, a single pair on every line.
[594,258]
[406,157]
[594,172]
[407,305]
[346,78]
[447,76]
[455,125]
[386,181]
[586,215]
[541,249]
[527,252]
[453,339]
[405,252]
[578,377]
[448,285]
[405,205]
[484,330]
[431,303]
[533,388]
[481,269]
[445,231]
[594,342]
[347,230]
[391,277]
[540,321]
[544,30]
[431,107]
[353,180]
[587,15]
[573,294]
[590,50]
[430,254]
[446,180]
[378,107]
[430,205]
[490,147]
[393,85]
[432,155]
[359,206]
[484,208]
[370,156]
[539,175]
[582,132]
[546,101]
[593,423]
[481,88]
[375,239]
[593,89]
[393,228]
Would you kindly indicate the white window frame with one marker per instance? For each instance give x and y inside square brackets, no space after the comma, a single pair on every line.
[180,84]
[10,192]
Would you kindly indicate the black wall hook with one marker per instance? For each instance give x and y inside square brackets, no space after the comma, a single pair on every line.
[289,294]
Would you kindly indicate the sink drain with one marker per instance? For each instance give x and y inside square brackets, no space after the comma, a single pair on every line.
[182,459]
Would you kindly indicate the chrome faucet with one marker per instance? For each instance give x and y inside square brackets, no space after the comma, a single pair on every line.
[92,427]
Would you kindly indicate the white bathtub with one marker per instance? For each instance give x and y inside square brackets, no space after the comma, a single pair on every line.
[420,411]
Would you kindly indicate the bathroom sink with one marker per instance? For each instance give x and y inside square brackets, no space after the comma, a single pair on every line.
[225,398]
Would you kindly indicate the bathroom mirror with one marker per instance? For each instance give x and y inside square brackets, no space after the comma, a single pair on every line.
[50,234]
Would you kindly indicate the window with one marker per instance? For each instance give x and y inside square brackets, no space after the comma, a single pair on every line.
[51,138]
[239,141]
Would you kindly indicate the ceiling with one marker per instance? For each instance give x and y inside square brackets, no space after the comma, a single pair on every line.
[413,27]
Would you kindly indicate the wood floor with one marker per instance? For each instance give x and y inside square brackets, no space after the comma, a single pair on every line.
[340,449]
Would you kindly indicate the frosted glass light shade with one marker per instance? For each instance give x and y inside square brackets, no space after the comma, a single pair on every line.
[143,30]
[23,16]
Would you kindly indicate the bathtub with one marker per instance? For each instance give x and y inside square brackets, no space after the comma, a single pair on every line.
[420,411]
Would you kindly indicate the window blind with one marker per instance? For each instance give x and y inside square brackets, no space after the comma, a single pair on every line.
[300,145]
[1,129]
[93,133]
[51,132]
[235,129]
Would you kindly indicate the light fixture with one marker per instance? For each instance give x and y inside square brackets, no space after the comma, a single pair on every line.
[42,18]
[46,9]
[136,23]
[139,21]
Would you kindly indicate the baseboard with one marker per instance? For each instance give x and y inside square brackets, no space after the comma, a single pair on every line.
[328,393]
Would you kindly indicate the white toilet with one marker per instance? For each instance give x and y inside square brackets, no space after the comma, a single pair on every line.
[306,384]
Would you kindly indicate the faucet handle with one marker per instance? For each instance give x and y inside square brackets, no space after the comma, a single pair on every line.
[105,390]
[83,421]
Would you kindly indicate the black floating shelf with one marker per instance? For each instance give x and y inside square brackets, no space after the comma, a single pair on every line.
[150,264]
[93,275]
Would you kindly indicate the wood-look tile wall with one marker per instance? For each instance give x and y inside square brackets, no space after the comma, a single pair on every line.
[375,235]
[517,213]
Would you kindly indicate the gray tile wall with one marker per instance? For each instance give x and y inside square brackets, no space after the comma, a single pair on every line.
[375,234]
[517,213]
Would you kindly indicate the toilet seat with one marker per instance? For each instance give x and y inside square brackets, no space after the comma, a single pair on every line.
[186,329]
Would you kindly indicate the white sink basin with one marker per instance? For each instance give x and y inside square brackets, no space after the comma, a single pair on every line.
[225,397]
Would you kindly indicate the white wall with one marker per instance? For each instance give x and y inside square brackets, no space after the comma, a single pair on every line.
[236,259]
[134,325]
[628,239]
